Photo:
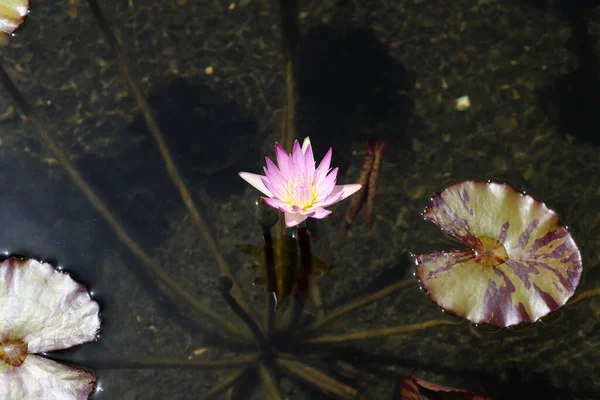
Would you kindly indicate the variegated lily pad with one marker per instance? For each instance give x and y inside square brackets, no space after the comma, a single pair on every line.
[42,310]
[520,264]
[413,388]
[12,13]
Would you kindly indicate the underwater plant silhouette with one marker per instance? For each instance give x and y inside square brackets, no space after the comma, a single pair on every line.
[348,84]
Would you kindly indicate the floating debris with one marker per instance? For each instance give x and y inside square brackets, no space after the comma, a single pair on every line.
[463,103]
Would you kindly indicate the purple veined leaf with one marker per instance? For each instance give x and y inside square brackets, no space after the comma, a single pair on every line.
[43,310]
[520,264]
[414,388]
[12,14]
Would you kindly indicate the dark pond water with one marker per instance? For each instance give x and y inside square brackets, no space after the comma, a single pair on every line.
[213,72]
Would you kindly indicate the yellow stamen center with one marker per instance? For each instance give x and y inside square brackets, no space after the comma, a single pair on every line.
[301,198]
[13,352]
[490,252]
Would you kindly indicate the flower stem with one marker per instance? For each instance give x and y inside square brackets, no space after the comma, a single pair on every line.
[305,259]
[271,278]
[101,208]
[172,169]
[362,302]
[304,273]
[376,333]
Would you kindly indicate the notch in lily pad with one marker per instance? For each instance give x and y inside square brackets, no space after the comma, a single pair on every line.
[12,14]
[520,263]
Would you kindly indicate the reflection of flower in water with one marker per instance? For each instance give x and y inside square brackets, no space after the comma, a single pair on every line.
[521,264]
[296,188]
[42,310]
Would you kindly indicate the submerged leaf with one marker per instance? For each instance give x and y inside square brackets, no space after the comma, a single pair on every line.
[413,388]
[287,272]
[521,263]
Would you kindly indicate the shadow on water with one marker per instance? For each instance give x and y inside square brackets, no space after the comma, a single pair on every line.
[209,137]
[199,127]
[350,86]
[517,385]
[574,97]
[45,217]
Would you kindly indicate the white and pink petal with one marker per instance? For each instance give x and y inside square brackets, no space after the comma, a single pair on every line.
[256,181]
[43,379]
[309,158]
[45,308]
[283,160]
[273,173]
[320,213]
[326,185]
[277,189]
[293,219]
[324,165]
[306,144]
[297,157]
[340,192]
[277,204]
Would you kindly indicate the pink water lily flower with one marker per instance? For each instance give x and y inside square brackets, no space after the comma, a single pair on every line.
[295,187]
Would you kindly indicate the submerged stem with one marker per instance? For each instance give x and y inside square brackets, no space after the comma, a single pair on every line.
[269,382]
[172,169]
[317,379]
[375,333]
[101,208]
[288,10]
[271,281]
[362,302]
[304,273]
[226,285]
[291,37]
[585,295]
[234,362]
